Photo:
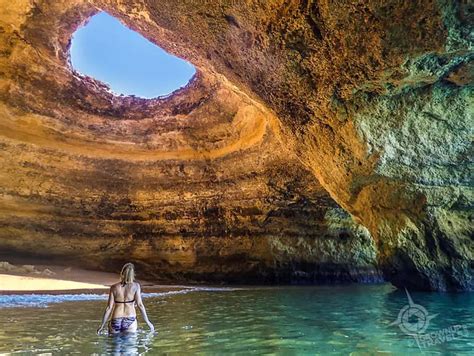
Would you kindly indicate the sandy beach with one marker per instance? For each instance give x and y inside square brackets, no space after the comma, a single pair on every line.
[52,279]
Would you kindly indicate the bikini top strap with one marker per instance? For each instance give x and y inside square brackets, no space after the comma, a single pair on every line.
[128,301]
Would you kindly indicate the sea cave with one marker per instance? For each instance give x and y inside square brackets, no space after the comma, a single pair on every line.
[316,143]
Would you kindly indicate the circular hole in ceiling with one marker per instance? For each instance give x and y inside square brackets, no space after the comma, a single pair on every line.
[127,62]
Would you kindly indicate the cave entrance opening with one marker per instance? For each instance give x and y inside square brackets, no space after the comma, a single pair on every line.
[127,62]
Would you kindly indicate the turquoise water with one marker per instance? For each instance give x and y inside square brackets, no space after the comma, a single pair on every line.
[347,320]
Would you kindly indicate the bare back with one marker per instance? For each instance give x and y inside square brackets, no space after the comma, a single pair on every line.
[123,297]
[124,293]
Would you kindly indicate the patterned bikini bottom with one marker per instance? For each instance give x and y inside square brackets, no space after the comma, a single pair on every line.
[122,324]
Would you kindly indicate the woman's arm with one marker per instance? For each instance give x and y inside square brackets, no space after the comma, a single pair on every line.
[107,312]
[141,306]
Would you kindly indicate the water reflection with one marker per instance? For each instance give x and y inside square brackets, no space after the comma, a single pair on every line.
[138,343]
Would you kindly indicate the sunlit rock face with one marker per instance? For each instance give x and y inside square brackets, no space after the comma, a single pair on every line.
[297,105]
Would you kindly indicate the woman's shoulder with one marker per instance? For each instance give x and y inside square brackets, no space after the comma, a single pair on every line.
[134,285]
[115,286]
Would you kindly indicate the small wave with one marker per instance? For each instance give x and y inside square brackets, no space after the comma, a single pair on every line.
[43,300]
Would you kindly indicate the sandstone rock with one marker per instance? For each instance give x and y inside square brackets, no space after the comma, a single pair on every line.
[229,179]
[29,268]
[47,272]
[10,268]
[6,267]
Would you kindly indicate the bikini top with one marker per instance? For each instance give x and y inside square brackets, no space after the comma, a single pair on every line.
[128,301]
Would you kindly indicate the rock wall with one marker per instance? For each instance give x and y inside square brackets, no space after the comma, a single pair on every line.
[193,187]
[373,98]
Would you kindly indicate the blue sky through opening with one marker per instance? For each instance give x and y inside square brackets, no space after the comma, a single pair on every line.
[130,64]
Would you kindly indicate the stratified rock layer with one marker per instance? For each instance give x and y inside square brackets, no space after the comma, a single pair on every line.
[219,181]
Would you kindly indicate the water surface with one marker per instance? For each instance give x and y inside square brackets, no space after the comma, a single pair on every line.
[289,320]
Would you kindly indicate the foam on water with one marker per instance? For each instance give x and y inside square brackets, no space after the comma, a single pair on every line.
[43,300]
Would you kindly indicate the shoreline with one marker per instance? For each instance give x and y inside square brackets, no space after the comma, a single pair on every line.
[39,278]
[34,277]
[150,289]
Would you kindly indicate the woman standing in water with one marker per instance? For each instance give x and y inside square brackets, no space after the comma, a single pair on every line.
[122,299]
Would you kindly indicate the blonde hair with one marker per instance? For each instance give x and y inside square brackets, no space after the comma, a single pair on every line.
[127,275]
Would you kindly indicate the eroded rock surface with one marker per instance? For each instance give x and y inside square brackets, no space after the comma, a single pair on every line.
[371,99]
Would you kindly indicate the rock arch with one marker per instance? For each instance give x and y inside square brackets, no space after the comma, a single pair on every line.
[352,89]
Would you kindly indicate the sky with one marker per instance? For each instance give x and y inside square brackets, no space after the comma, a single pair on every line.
[130,64]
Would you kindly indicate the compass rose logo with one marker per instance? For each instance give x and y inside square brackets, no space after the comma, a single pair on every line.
[413,319]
